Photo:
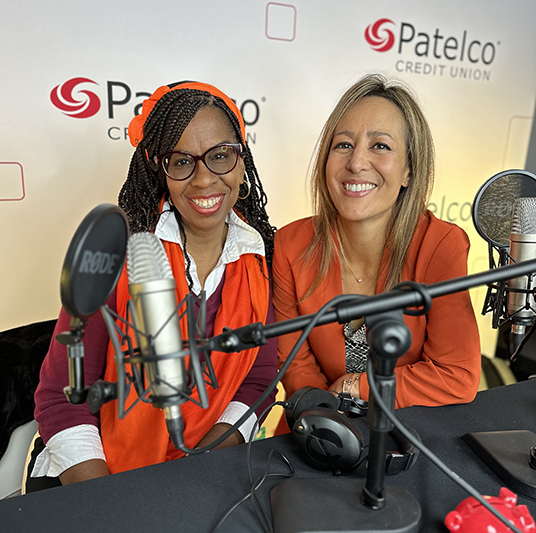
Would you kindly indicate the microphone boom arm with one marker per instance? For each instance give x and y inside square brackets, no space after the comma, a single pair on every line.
[398,298]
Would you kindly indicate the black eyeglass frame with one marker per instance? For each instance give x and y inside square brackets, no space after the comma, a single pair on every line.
[237,147]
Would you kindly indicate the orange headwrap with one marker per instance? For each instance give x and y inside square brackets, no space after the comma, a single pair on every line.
[135,128]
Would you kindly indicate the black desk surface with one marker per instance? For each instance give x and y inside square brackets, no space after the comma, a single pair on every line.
[192,494]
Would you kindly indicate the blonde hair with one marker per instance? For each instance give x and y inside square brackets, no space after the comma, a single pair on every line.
[412,201]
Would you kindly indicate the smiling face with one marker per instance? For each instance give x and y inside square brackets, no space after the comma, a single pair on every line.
[367,164]
[205,199]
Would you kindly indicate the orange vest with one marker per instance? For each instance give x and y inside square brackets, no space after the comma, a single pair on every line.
[141,438]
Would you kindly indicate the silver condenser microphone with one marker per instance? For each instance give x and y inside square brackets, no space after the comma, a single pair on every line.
[152,288]
[522,248]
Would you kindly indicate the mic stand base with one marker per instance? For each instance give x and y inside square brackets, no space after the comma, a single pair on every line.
[334,504]
[507,454]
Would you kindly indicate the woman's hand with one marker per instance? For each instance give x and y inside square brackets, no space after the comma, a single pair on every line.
[347,383]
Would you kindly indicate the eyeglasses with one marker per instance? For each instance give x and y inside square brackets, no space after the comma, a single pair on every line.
[220,160]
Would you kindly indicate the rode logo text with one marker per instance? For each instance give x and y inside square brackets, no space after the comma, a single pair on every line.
[98,262]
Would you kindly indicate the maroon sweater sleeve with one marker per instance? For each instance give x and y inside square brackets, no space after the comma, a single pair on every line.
[53,412]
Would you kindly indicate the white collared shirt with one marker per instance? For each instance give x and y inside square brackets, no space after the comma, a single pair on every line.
[241,239]
[82,443]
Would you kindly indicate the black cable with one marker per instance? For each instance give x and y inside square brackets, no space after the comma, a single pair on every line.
[429,454]
[255,484]
[365,446]
[261,515]
[226,515]
[254,432]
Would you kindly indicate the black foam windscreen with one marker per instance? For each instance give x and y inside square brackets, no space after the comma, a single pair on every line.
[494,203]
[94,261]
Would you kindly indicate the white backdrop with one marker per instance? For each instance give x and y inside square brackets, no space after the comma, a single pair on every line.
[472,64]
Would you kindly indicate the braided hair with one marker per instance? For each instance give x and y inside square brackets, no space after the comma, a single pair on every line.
[146,182]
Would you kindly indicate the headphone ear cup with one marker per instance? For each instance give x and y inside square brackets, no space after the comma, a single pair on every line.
[308,398]
[327,440]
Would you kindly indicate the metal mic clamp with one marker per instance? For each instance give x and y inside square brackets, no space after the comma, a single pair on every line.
[77,391]
[101,392]
[236,340]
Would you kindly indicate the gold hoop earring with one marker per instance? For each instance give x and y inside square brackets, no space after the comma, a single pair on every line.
[246,181]
[170,201]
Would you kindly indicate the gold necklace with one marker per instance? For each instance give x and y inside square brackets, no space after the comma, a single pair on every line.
[341,249]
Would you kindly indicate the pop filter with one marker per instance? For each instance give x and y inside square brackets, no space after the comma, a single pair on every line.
[494,202]
[94,261]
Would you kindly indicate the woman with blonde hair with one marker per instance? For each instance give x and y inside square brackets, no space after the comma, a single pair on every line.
[371,181]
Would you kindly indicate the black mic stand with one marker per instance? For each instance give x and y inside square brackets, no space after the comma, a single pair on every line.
[362,505]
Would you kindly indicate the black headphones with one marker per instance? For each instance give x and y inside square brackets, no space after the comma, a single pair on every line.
[329,440]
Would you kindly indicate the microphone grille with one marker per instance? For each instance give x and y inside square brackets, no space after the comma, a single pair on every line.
[524,216]
[147,259]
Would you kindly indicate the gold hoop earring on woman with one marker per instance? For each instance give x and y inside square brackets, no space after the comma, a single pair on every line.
[247,182]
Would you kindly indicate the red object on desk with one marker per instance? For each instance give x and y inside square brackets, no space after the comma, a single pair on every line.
[470,516]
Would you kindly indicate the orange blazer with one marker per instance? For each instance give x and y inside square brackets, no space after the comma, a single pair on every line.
[443,363]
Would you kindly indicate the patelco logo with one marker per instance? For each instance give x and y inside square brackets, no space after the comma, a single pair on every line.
[122,102]
[85,105]
[379,37]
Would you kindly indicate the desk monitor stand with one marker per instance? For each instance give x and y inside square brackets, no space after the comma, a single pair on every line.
[334,504]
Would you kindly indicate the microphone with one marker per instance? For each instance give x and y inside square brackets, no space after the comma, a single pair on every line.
[508,235]
[154,314]
[521,306]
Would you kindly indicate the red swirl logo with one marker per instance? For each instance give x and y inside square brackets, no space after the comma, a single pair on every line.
[380,38]
[84,105]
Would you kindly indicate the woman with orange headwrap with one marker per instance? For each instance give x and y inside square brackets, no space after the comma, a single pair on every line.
[192,182]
